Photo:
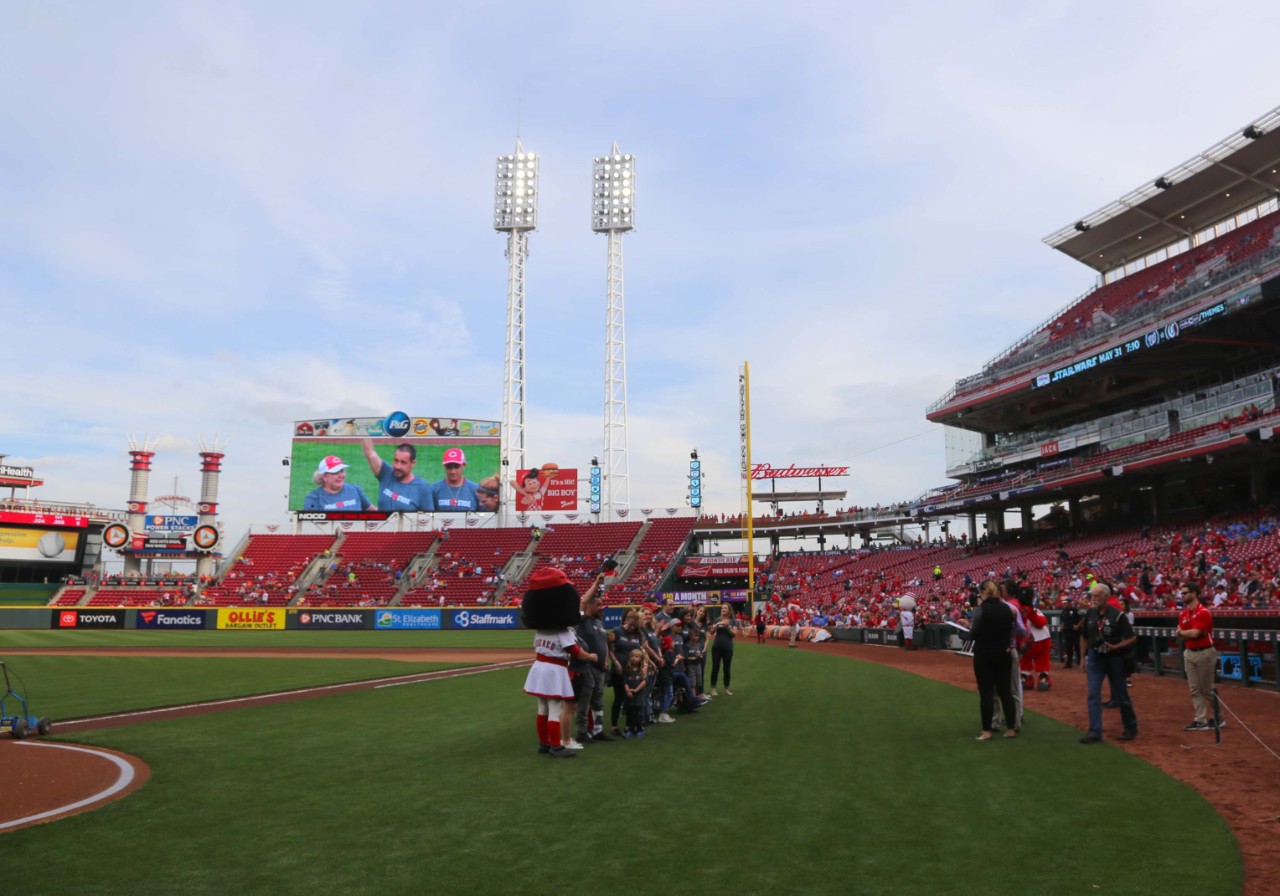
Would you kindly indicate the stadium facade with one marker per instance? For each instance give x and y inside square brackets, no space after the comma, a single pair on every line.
[1152,397]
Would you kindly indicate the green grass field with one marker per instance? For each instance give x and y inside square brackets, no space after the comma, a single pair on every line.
[822,775]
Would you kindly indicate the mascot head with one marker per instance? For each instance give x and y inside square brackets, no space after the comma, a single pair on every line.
[1026,595]
[551,601]
[907,602]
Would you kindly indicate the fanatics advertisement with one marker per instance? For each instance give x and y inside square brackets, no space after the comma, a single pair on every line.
[407,619]
[87,619]
[394,464]
[250,619]
[38,545]
[172,619]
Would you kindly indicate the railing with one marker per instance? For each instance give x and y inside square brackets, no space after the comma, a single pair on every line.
[1215,284]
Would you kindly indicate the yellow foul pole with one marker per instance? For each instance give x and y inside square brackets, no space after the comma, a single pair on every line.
[744,438]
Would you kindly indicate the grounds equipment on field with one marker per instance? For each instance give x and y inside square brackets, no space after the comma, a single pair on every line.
[18,725]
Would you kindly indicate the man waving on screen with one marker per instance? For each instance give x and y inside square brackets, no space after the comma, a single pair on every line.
[398,488]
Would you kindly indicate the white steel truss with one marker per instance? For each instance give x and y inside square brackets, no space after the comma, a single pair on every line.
[617,487]
[513,381]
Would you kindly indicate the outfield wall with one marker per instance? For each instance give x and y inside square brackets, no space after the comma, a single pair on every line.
[275,618]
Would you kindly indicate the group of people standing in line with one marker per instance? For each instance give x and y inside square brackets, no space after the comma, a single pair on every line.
[653,656]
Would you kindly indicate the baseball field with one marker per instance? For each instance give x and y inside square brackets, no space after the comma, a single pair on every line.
[824,773]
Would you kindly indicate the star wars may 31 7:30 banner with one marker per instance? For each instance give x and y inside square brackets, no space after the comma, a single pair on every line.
[399,463]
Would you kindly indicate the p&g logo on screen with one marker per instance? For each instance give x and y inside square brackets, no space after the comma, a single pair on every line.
[396,424]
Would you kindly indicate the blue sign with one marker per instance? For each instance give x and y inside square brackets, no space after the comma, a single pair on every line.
[396,424]
[172,619]
[484,619]
[171,523]
[613,616]
[407,619]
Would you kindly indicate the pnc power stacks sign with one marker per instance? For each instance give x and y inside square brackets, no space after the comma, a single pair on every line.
[237,618]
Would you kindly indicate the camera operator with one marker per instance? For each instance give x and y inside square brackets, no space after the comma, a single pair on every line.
[1110,636]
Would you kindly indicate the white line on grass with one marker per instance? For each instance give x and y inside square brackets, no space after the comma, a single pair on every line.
[123,781]
[318,689]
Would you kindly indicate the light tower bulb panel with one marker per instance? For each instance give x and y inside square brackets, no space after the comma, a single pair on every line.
[613,193]
[515,192]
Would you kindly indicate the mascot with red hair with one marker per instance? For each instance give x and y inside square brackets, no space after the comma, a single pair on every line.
[552,607]
[1036,659]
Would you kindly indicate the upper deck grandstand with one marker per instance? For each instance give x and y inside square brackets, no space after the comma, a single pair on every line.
[1173,357]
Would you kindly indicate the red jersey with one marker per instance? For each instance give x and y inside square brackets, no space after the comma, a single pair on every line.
[1199,618]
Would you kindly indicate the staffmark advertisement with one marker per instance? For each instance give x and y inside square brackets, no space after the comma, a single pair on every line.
[484,619]
[407,619]
[172,619]
[349,619]
[250,619]
[87,619]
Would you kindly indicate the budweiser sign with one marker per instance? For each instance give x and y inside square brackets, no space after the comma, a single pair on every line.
[765,471]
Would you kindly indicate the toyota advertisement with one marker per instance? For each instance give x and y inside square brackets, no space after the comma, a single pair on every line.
[371,467]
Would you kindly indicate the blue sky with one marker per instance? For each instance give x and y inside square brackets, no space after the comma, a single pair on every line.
[217,218]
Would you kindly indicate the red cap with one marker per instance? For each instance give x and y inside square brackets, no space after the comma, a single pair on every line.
[547,577]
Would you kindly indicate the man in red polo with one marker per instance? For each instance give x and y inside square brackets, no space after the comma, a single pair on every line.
[1199,659]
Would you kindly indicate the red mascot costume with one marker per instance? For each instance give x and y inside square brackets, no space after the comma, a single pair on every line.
[552,607]
[1035,661]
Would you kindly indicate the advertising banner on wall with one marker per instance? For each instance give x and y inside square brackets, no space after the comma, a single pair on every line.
[330,619]
[93,618]
[546,488]
[243,619]
[392,619]
[484,619]
[172,619]
[395,464]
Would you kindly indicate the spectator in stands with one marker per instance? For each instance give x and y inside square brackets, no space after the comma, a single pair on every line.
[334,492]
[399,488]
[455,493]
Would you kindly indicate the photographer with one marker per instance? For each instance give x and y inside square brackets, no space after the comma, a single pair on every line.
[1110,636]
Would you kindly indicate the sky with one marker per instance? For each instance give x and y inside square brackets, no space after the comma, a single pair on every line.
[218,218]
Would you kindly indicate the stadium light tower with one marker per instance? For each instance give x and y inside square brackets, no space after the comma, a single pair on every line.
[515,212]
[613,212]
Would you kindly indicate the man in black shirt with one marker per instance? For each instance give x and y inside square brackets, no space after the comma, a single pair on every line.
[1069,634]
[1109,636]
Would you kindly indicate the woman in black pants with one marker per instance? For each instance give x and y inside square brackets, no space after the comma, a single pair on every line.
[722,648]
[991,631]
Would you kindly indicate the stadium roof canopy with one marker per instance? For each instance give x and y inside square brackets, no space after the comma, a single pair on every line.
[1232,175]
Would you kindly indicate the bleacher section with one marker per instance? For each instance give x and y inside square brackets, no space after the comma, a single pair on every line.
[266,573]
[368,569]
[468,562]
[579,550]
[68,598]
[663,541]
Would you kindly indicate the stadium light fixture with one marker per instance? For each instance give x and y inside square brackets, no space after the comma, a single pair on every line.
[515,194]
[613,192]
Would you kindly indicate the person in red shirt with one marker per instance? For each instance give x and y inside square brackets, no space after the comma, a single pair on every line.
[1199,658]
